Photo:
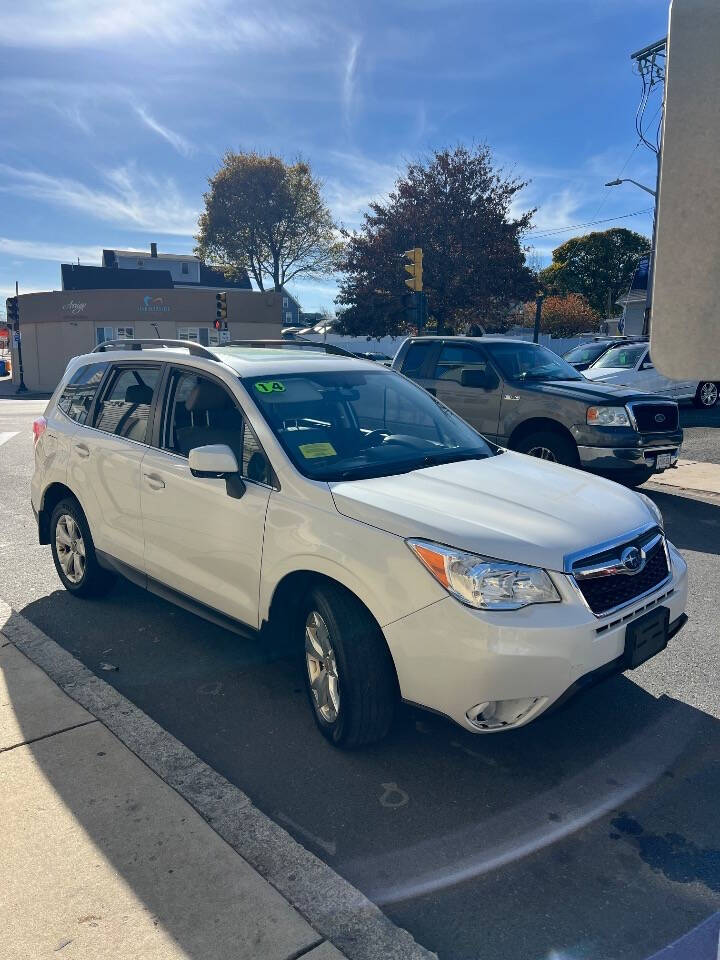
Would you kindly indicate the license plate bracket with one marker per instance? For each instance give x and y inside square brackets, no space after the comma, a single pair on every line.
[663,460]
[646,636]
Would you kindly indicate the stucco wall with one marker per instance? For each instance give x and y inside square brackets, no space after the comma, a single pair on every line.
[60,325]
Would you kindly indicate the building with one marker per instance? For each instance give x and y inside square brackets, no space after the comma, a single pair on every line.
[291,310]
[634,301]
[58,325]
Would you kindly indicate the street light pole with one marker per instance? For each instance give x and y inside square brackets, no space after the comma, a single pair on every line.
[538,314]
[616,183]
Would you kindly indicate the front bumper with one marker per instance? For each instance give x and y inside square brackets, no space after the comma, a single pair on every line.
[617,459]
[450,658]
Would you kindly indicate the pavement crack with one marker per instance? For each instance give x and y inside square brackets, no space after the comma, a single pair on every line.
[47,736]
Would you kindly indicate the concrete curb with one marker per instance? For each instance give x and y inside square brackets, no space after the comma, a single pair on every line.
[691,475]
[336,909]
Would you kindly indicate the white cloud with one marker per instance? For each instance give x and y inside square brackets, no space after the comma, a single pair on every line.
[219,24]
[349,79]
[360,181]
[38,250]
[176,140]
[130,198]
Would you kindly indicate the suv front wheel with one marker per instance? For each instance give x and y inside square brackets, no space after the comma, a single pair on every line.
[73,551]
[349,674]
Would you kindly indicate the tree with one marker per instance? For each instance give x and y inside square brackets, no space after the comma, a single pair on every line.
[267,217]
[455,206]
[562,316]
[598,265]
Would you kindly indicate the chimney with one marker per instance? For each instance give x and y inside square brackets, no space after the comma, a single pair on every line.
[153,250]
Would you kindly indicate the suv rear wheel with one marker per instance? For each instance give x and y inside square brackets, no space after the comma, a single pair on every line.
[548,445]
[73,551]
[349,674]
[706,395]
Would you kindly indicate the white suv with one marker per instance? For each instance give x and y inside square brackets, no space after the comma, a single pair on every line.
[338,502]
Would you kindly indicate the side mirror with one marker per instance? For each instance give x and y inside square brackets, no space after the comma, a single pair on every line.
[475,377]
[648,365]
[217,461]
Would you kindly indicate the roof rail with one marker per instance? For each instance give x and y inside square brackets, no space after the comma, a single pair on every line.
[136,343]
[297,343]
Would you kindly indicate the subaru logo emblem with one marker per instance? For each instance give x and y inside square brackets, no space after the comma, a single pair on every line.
[659,418]
[632,559]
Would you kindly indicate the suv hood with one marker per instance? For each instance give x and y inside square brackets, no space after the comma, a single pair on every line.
[610,375]
[510,507]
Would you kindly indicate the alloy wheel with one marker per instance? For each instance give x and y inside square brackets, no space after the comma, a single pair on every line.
[708,394]
[70,548]
[543,453]
[322,667]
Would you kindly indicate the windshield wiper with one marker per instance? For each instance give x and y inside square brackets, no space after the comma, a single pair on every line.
[436,459]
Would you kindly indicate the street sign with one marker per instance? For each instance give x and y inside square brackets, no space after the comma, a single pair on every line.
[16,337]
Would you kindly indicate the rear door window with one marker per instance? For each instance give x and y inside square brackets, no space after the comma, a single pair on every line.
[416,357]
[124,408]
[77,397]
[456,357]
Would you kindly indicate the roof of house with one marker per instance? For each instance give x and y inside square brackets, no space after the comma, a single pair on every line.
[80,277]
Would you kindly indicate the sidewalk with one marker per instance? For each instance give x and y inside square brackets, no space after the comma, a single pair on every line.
[8,391]
[101,858]
[691,475]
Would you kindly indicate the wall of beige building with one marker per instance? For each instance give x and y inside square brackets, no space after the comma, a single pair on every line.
[60,325]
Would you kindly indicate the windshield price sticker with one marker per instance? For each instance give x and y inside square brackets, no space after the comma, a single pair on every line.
[270,386]
[312,450]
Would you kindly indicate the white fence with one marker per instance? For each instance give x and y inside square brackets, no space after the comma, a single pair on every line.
[391,345]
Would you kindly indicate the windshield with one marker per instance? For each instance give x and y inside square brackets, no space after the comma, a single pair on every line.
[527,361]
[585,353]
[621,357]
[345,425]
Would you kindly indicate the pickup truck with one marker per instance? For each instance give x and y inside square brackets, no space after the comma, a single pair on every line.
[523,396]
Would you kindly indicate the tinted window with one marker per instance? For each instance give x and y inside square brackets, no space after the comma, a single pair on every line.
[456,357]
[78,395]
[415,358]
[624,357]
[585,354]
[528,361]
[200,412]
[125,406]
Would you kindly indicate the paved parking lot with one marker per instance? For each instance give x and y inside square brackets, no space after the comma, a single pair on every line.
[590,833]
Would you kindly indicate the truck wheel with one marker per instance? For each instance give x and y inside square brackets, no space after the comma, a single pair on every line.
[349,674]
[706,395]
[74,552]
[548,445]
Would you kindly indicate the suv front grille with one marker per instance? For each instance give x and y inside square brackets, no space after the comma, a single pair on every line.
[605,592]
[647,417]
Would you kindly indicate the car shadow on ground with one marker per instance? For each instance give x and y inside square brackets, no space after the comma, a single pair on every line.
[690,524]
[587,833]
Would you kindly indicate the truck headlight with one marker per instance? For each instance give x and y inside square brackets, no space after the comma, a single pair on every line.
[482,582]
[608,417]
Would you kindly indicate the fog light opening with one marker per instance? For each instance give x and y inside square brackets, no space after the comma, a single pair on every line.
[495,714]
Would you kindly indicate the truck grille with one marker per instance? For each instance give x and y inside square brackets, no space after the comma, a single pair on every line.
[656,417]
[607,591]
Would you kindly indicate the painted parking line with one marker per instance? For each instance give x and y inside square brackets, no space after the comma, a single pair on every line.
[4,437]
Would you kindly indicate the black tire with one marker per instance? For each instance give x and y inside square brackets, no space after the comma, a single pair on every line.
[556,446]
[706,395]
[94,580]
[632,478]
[366,685]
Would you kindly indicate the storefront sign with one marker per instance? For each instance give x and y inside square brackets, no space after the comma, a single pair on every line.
[153,305]
[73,307]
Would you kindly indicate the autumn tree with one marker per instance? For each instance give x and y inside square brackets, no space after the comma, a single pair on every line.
[456,206]
[598,265]
[562,316]
[267,217]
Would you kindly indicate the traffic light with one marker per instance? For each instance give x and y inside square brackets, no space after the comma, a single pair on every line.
[13,312]
[414,268]
[220,311]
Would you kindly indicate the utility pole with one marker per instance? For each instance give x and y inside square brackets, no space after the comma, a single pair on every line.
[12,305]
[538,315]
[650,62]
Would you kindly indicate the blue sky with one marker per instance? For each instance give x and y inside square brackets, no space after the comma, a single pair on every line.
[114,115]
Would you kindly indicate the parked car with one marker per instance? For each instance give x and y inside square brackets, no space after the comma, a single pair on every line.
[525,397]
[581,356]
[336,502]
[631,365]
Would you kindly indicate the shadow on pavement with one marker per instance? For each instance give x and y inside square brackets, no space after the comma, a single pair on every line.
[589,833]
[692,524]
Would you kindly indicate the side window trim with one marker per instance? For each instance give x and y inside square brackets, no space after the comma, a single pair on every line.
[162,412]
[111,374]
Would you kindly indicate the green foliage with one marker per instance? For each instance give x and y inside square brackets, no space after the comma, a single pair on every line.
[598,265]
[455,206]
[562,316]
[267,217]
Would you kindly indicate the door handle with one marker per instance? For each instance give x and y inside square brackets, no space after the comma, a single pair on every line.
[154,481]
[83,450]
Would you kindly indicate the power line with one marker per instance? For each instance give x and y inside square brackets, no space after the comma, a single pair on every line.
[588,223]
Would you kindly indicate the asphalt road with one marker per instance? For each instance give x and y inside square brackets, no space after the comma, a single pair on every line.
[590,834]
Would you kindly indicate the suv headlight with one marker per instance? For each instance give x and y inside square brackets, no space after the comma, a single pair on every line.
[653,508]
[608,417]
[482,582]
